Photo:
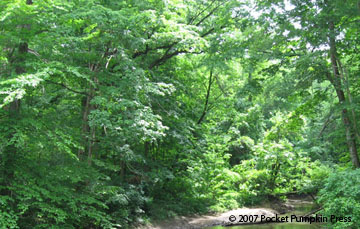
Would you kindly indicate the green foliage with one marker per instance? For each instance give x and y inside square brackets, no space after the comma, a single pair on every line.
[274,170]
[212,178]
[341,197]
[116,112]
[55,197]
[8,217]
[315,177]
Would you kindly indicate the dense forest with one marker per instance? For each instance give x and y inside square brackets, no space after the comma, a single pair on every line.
[114,113]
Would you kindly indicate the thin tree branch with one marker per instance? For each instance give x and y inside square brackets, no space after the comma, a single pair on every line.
[209,14]
[202,11]
[167,56]
[147,49]
[64,86]
[327,122]
[207,98]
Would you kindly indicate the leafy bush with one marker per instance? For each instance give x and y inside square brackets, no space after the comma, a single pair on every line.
[341,197]
[8,217]
[275,169]
[69,197]
[315,178]
[57,197]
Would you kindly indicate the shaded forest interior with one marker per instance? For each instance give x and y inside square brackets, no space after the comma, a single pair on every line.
[116,113]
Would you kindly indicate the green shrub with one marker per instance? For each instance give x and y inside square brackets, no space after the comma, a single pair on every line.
[341,197]
[275,169]
[315,178]
[8,217]
[56,197]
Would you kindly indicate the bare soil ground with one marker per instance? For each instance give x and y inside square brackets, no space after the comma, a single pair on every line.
[194,222]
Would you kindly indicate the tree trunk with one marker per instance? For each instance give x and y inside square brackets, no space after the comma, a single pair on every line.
[336,81]
[146,149]
[87,132]
[10,156]
[206,98]
[92,141]
[85,125]
[345,79]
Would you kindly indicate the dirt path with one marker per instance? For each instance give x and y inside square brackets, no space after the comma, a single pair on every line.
[224,219]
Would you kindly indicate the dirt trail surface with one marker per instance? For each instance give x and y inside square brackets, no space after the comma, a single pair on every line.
[224,219]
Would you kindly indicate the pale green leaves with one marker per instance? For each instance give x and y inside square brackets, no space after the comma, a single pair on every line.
[16,88]
[148,125]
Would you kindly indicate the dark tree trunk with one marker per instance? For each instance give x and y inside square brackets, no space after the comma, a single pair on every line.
[11,155]
[336,82]
[206,105]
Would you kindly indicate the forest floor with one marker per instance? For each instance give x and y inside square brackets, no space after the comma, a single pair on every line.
[202,221]
[185,222]
[268,209]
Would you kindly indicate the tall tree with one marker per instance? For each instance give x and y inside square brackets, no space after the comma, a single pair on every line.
[306,31]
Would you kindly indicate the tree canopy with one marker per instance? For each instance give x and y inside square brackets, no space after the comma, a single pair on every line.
[114,113]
